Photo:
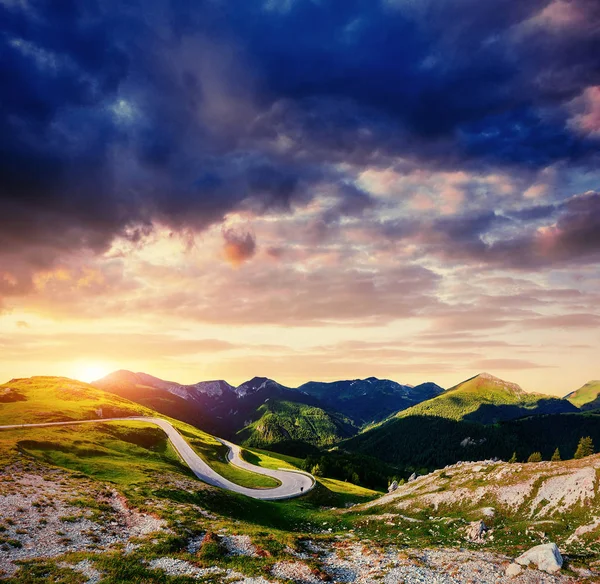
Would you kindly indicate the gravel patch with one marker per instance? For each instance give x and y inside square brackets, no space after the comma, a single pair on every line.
[45,514]
[175,567]
[239,545]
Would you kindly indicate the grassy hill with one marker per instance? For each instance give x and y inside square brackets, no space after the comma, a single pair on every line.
[486,399]
[59,399]
[98,449]
[284,421]
[586,397]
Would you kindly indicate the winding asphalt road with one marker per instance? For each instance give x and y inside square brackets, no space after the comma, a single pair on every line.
[293,483]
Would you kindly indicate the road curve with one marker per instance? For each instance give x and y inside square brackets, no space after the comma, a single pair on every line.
[293,483]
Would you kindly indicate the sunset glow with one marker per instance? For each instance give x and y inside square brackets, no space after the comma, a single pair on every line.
[89,372]
[301,192]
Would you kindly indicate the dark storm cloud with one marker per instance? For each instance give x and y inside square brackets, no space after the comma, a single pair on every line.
[540,236]
[118,115]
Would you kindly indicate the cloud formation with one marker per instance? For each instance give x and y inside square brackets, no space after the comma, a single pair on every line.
[238,246]
[390,161]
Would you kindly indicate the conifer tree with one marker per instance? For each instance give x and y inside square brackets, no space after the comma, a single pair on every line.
[535,457]
[513,458]
[584,448]
[556,456]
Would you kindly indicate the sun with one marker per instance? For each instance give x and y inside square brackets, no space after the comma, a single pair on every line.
[89,372]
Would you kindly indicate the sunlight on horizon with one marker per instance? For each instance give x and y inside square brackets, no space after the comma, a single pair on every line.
[89,371]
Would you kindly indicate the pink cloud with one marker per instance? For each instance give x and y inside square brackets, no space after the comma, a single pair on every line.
[587,111]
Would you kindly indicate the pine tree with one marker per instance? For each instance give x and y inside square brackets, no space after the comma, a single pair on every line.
[556,456]
[316,470]
[584,448]
[535,457]
[513,458]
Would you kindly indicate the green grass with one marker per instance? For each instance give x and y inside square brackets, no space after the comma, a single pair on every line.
[215,454]
[342,492]
[124,453]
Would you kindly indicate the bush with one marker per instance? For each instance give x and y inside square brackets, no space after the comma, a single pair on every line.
[535,457]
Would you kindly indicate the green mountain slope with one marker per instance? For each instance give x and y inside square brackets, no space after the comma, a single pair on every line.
[486,399]
[586,397]
[430,442]
[283,422]
[59,399]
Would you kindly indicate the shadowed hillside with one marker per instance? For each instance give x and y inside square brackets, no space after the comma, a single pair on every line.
[282,421]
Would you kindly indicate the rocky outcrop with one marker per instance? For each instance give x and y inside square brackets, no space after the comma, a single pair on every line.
[545,557]
[476,531]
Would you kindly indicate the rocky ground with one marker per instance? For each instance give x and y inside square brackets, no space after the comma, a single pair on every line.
[51,513]
[46,513]
[348,561]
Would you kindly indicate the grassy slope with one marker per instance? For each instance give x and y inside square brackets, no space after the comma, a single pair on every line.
[55,399]
[59,399]
[282,421]
[587,396]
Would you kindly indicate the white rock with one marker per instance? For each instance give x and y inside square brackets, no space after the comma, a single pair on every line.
[513,570]
[545,556]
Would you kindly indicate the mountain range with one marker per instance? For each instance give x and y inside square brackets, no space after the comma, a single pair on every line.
[223,409]
[376,417]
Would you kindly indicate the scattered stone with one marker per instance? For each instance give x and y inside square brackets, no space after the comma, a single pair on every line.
[488,511]
[545,557]
[393,487]
[412,477]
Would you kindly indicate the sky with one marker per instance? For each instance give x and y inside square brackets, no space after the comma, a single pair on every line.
[301,189]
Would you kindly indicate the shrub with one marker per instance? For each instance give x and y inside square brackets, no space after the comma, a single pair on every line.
[535,457]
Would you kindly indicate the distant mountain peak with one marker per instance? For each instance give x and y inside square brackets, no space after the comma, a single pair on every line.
[254,385]
[488,377]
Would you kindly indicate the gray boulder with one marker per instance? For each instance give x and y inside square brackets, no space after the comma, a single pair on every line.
[412,477]
[393,487]
[545,557]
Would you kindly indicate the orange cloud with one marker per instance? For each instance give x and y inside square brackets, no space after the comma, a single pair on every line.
[238,246]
